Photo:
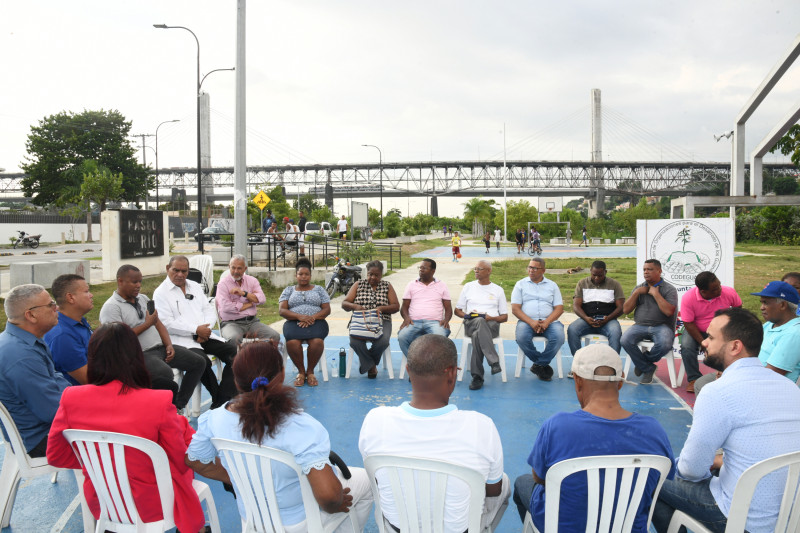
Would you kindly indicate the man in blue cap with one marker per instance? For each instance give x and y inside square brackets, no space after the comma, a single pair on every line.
[779,351]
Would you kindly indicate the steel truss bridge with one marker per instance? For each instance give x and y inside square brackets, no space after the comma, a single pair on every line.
[452,178]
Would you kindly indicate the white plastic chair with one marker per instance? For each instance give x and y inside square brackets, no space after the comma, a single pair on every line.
[789,514]
[521,359]
[197,402]
[103,456]
[250,469]
[418,489]
[387,361]
[670,357]
[205,265]
[322,365]
[17,464]
[630,493]
[466,354]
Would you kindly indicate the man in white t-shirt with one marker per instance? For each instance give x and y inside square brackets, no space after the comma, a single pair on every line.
[497,236]
[341,227]
[483,306]
[430,427]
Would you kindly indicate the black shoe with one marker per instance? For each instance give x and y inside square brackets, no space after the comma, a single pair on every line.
[544,372]
[477,383]
[496,368]
[636,371]
[647,377]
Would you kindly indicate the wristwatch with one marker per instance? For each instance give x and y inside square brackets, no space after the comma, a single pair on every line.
[245,294]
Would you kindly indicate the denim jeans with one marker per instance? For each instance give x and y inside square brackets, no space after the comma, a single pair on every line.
[662,336]
[693,498]
[555,339]
[523,491]
[420,327]
[690,349]
[612,331]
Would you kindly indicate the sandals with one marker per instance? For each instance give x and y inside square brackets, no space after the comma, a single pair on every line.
[312,380]
[300,380]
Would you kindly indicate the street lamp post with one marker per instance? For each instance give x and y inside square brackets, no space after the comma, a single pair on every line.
[380,171]
[165,122]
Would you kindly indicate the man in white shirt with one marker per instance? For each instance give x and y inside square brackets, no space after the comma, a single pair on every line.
[341,227]
[430,427]
[186,313]
[483,306]
[497,236]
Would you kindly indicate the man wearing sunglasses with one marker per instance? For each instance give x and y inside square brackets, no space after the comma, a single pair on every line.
[30,387]
[129,306]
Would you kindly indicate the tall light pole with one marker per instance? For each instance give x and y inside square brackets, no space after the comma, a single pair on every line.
[729,135]
[505,180]
[380,170]
[165,122]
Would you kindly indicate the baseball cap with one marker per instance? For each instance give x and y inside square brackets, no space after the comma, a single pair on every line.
[588,359]
[286,219]
[779,289]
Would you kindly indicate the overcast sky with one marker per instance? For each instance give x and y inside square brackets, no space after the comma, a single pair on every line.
[421,79]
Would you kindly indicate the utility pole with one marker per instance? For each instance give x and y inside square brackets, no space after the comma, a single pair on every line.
[144,162]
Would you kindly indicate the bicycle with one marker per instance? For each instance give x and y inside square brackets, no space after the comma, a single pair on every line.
[535,249]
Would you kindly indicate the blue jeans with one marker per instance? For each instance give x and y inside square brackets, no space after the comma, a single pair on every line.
[555,339]
[693,498]
[690,350]
[523,492]
[612,330]
[662,336]
[420,327]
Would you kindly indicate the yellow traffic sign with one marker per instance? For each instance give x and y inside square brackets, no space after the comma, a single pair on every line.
[261,200]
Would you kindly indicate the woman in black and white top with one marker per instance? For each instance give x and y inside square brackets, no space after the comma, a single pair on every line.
[372,293]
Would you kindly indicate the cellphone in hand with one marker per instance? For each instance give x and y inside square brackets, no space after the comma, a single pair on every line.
[151,307]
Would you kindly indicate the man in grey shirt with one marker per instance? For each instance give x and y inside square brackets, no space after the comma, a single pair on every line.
[655,302]
[128,306]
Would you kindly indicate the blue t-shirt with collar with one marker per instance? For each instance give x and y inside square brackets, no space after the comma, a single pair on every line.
[780,347]
[69,343]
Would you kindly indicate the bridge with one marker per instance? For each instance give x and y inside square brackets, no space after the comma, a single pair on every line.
[451,178]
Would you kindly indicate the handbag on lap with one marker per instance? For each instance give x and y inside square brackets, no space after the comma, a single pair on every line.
[366,325]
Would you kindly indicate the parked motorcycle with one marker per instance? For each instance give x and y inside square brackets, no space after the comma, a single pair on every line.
[26,239]
[344,276]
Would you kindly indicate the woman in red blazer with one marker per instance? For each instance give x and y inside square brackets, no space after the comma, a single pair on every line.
[118,399]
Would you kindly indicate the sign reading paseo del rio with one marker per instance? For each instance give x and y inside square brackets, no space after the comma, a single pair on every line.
[141,233]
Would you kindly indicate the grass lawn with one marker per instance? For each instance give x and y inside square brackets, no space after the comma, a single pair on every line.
[751,273]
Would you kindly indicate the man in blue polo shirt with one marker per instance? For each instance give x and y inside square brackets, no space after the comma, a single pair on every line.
[779,351]
[536,302]
[30,387]
[69,339]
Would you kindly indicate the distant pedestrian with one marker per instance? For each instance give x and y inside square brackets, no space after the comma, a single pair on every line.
[450,230]
[341,227]
[569,236]
[584,237]
[444,230]
[487,241]
[520,238]
[497,236]
[456,244]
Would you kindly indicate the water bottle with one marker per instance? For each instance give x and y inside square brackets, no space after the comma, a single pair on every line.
[334,367]
[342,362]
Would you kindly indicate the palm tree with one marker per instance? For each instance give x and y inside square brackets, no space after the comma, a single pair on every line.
[479,213]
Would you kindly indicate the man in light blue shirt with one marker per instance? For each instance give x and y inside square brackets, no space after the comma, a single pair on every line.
[751,413]
[537,304]
[779,351]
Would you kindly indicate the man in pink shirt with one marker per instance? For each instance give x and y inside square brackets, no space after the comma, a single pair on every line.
[237,298]
[426,307]
[698,306]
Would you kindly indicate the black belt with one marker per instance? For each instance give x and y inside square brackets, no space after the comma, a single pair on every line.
[244,319]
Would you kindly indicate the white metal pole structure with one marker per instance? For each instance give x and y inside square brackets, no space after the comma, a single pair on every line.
[240,137]
[380,171]
[165,122]
[728,135]
[505,179]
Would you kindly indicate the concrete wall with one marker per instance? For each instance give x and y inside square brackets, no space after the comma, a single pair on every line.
[110,242]
[44,272]
[49,232]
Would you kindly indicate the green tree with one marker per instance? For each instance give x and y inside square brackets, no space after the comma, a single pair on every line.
[374,217]
[64,141]
[625,220]
[307,204]
[391,224]
[323,214]
[478,214]
[789,144]
[100,186]
[520,212]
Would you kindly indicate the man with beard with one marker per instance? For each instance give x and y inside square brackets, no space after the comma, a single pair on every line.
[750,413]
[238,296]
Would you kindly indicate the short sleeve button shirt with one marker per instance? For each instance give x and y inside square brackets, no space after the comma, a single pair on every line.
[695,308]
[537,299]
[780,347]
[426,300]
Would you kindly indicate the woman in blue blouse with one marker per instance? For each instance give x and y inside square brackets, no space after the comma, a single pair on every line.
[305,306]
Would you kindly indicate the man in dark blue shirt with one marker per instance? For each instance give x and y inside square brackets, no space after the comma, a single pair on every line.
[30,387]
[69,339]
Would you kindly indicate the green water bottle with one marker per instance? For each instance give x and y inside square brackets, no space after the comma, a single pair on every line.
[342,362]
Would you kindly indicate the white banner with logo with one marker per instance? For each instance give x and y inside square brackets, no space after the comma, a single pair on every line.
[685,248]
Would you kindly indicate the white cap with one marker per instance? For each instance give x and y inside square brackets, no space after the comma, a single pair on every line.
[588,359]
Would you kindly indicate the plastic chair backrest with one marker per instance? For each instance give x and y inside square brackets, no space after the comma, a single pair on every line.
[102,454]
[205,265]
[250,468]
[419,489]
[630,494]
[17,448]
[789,514]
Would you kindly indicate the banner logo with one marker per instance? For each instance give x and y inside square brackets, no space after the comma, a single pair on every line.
[686,248]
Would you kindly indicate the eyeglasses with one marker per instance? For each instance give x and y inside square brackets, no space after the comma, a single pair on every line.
[51,305]
[534,268]
[478,269]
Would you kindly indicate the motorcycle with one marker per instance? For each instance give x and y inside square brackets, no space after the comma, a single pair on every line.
[344,276]
[26,239]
